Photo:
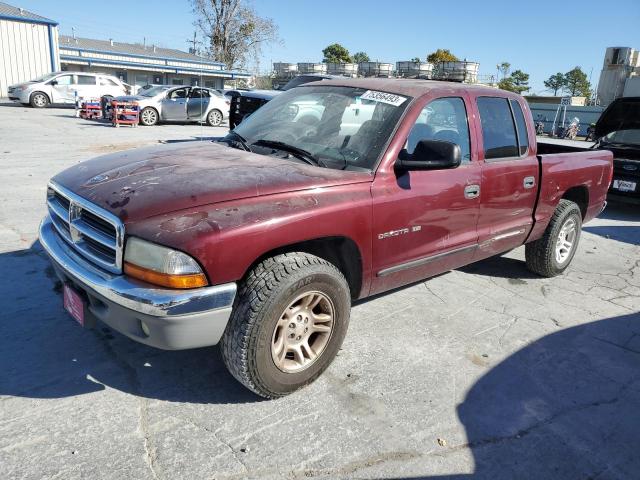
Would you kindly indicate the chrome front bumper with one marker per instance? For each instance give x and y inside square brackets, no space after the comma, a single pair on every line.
[162,318]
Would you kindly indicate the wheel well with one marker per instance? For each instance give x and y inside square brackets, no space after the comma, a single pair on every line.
[341,251]
[580,196]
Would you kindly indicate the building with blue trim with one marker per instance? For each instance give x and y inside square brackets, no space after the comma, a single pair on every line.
[31,47]
[140,64]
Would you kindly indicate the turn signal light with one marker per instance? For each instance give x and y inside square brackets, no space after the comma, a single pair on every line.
[192,280]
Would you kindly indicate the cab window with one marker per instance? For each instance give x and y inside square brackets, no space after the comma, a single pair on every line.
[498,129]
[523,139]
[442,119]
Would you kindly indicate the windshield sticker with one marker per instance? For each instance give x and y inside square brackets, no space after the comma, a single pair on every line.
[383,97]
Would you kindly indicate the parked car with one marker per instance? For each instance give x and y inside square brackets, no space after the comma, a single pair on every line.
[249,101]
[262,240]
[618,130]
[180,104]
[65,87]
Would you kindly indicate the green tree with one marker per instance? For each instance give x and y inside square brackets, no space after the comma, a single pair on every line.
[360,57]
[416,59]
[504,68]
[520,81]
[576,83]
[517,82]
[555,82]
[336,53]
[441,55]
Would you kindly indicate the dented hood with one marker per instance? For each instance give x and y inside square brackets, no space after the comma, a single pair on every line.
[621,114]
[141,183]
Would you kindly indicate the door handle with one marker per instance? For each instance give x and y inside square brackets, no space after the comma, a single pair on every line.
[472,191]
[529,182]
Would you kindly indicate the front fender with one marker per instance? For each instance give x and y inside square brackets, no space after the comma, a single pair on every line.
[227,238]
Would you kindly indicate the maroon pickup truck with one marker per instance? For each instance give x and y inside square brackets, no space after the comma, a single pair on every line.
[262,240]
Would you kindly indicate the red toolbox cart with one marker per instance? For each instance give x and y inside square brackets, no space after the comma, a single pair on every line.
[125,113]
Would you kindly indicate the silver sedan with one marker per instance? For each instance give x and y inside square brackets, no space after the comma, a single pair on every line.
[180,104]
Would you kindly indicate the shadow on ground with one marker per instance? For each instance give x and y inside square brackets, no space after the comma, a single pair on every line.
[565,406]
[45,354]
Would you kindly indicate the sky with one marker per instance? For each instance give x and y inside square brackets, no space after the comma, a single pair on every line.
[538,37]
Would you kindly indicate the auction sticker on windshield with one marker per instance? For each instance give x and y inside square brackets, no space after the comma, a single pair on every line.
[384,97]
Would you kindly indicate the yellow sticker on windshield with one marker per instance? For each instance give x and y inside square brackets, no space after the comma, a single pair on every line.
[383,97]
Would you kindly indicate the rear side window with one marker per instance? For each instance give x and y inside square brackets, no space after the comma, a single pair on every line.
[498,130]
[523,138]
[107,82]
[86,80]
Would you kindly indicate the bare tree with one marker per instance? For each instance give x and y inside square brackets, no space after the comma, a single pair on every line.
[235,33]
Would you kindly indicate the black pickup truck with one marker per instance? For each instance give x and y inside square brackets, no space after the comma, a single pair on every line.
[618,130]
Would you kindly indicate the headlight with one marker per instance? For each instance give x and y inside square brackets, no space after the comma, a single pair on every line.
[161,265]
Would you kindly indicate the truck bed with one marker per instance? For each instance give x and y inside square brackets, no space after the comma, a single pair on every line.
[552,145]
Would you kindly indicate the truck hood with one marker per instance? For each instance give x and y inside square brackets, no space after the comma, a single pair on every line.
[622,114]
[141,183]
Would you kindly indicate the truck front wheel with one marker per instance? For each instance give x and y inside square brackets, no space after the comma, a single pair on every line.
[288,322]
[552,253]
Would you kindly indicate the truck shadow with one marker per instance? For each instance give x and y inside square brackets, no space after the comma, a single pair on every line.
[565,406]
[45,354]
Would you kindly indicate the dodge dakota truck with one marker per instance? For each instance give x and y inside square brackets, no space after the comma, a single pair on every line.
[262,240]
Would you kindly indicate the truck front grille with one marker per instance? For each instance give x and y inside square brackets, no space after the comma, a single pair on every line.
[93,232]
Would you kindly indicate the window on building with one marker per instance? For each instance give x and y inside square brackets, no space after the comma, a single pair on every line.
[194,81]
[142,80]
[498,129]
[210,83]
[177,81]
[442,119]
[523,138]
[86,79]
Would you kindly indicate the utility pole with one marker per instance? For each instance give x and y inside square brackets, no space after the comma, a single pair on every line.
[194,42]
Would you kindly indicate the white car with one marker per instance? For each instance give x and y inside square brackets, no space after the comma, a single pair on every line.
[65,88]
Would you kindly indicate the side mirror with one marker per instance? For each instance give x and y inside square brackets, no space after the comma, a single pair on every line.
[431,155]
[54,82]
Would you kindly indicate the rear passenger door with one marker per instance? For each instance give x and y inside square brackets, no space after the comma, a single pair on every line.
[86,86]
[509,175]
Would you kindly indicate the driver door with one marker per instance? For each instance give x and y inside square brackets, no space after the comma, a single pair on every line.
[174,106]
[62,89]
[425,222]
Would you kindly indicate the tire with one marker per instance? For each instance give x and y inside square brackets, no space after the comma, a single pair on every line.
[268,297]
[546,256]
[214,118]
[38,100]
[149,116]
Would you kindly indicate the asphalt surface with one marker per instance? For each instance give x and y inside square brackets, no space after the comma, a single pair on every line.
[483,372]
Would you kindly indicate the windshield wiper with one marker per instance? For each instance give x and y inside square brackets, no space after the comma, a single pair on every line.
[298,152]
[236,139]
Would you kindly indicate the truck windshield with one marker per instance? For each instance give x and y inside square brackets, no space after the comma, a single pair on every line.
[340,127]
[624,137]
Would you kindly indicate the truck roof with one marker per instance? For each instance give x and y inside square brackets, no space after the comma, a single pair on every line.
[407,86]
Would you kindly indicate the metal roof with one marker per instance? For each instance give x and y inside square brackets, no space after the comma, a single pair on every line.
[9,12]
[135,49]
